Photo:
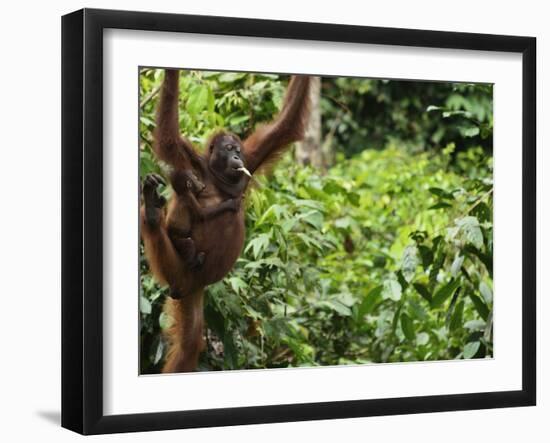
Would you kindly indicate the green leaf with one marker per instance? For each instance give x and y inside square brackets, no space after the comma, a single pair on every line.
[407,326]
[471,349]
[440,205]
[337,306]
[423,291]
[488,333]
[370,300]
[457,265]
[441,193]
[469,226]
[258,244]
[422,338]
[481,308]
[443,293]
[340,308]
[346,298]
[486,259]
[272,262]
[309,241]
[274,212]
[482,211]
[269,76]
[234,121]
[475,325]
[147,121]
[257,87]
[228,77]
[486,292]
[470,131]
[354,198]
[417,311]
[409,262]
[392,290]
[144,305]
[379,261]
[396,317]
[438,262]
[211,101]
[158,352]
[448,114]
[456,318]
[343,222]
[288,225]
[333,187]
[432,108]
[198,99]
[314,218]
[404,284]
[237,284]
[427,256]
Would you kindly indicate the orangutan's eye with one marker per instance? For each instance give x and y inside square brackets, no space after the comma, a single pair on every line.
[229,147]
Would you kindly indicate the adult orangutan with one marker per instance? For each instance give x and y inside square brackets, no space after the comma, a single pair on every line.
[195,239]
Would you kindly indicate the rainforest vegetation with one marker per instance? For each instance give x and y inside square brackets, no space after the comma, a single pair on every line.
[370,242]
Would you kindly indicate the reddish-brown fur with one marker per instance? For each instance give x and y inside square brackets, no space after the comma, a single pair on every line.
[222,237]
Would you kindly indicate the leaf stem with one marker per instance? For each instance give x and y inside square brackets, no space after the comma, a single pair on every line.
[479,200]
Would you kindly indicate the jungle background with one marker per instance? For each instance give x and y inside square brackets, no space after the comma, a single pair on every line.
[371,241]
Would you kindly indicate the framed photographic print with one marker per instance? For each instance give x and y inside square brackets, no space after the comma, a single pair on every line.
[270,221]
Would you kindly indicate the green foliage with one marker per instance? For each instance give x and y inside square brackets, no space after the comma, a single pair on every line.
[386,257]
[418,116]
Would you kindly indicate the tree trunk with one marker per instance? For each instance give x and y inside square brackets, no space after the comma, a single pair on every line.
[309,151]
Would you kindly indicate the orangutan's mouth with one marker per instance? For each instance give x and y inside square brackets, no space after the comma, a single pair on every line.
[243,169]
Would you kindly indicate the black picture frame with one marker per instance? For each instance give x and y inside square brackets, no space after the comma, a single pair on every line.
[82,215]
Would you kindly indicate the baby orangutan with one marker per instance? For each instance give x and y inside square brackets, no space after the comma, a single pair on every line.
[187,187]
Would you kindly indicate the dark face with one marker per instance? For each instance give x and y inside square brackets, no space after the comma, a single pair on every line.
[226,158]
